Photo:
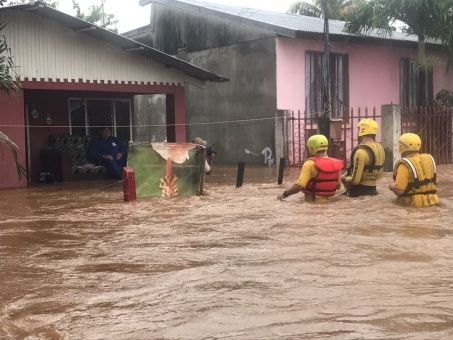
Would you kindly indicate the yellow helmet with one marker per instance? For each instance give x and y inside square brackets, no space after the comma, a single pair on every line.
[317,143]
[368,126]
[410,142]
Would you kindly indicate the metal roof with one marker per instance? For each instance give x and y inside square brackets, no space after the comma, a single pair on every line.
[126,44]
[291,25]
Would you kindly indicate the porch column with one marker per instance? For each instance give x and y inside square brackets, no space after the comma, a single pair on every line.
[391,132]
[180,115]
[12,113]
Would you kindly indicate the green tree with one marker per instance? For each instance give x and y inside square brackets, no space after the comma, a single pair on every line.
[97,15]
[8,85]
[337,9]
[427,19]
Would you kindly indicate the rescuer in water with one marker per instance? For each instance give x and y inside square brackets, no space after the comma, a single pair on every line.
[414,175]
[367,161]
[320,175]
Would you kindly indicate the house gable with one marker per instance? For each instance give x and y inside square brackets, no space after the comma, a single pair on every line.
[44,49]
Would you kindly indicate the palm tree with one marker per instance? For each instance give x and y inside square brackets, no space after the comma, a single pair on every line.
[427,19]
[337,9]
[8,84]
[424,18]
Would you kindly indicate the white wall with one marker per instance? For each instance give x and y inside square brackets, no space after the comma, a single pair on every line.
[43,48]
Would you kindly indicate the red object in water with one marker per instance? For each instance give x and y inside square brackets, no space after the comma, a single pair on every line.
[129,184]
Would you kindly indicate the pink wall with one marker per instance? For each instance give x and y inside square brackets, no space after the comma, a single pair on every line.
[12,113]
[290,74]
[442,79]
[373,80]
[373,72]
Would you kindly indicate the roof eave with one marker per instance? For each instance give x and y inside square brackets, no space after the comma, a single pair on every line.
[363,39]
[123,42]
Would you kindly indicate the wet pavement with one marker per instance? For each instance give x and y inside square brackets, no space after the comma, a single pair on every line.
[78,263]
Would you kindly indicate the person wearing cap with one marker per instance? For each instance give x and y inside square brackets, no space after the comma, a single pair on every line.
[203,143]
[108,151]
[320,175]
[367,161]
[415,178]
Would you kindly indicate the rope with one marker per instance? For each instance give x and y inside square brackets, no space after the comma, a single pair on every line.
[144,125]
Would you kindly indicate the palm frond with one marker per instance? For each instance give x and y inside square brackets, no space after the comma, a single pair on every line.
[337,9]
[9,85]
[8,79]
[6,141]
[305,8]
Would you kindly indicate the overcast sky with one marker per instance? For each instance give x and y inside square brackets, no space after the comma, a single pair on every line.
[130,15]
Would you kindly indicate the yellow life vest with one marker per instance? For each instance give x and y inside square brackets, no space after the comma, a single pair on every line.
[376,153]
[424,175]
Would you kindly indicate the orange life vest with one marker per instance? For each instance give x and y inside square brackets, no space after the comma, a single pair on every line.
[325,183]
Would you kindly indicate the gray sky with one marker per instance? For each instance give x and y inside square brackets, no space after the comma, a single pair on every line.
[130,15]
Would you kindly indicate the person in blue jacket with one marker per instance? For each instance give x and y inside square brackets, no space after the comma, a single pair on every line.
[108,151]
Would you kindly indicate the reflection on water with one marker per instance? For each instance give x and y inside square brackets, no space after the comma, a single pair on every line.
[77,263]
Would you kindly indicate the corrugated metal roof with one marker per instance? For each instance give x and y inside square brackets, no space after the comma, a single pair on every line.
[281,23]
[118,40]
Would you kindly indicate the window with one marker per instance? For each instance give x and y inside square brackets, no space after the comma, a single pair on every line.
[87,115]
[339,77]
[416,88]
[77,113]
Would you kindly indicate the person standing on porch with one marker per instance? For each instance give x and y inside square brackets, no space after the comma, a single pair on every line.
[108,151]
[320,175]
[415,178]
[367,161]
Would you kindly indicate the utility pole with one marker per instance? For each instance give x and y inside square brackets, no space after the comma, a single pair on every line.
[324,120]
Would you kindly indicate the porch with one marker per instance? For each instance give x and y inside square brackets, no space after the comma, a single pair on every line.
[54,115]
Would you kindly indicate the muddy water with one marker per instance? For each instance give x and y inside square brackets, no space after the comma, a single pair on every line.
[77,263]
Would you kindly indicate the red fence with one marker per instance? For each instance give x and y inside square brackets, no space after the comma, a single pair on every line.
[343,134]
[434,126]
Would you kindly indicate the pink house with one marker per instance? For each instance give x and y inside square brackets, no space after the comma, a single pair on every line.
[274,63]
[75,77]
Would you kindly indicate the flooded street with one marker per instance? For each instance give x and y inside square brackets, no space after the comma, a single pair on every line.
[78,263]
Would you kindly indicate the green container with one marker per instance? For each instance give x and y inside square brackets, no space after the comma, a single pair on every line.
[167,169]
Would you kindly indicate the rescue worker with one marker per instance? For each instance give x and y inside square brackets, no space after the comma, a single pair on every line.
[320,175]
[414,175]
[367,161]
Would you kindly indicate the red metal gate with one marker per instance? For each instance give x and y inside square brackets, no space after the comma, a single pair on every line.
[299,127]
[434,126]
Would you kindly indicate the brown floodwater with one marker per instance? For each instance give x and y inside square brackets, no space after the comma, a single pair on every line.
[78,263]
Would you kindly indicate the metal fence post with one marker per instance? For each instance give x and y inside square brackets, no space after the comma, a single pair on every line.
[281,138]
[391,131]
